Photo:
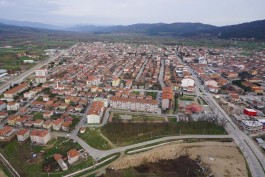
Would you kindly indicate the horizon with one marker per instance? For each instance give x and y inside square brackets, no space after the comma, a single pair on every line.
[118,12]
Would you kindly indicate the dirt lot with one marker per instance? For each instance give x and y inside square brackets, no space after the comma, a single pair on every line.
[224,159]
[2,174]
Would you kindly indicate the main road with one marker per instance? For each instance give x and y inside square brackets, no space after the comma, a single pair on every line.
[254,157]
[18,79]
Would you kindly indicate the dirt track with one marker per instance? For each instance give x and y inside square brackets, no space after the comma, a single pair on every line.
[224,159]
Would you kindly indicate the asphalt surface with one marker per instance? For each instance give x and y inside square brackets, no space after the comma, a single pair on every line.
[254,157]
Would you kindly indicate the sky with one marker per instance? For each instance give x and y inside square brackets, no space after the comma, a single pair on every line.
[125,12]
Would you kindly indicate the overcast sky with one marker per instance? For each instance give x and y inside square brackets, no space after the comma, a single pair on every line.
[124,12]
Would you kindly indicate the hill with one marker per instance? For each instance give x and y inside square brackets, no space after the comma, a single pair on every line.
[250,30]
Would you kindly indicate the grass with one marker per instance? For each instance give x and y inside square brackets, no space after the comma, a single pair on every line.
[138,117]
[38,115]
[95,139]
[176,105]
[123,134]
[153,94]
[187,98]
[20,155]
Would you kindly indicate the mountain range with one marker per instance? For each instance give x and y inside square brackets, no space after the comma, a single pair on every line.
[250,30]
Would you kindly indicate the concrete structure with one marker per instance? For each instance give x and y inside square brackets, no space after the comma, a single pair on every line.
[15,90]
[41,75]
[40,137]
[73,156]
[23,134]
[13,106]
[95,112]
[251,126]
[167,97]
[134,104]
[59,159]
[2,105]
[116,82]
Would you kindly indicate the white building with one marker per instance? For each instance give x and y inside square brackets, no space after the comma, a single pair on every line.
[13,106]
[23,134]
[251,126]
[41,75]
[40,136]
[187,82]
[95,112]
[73,156]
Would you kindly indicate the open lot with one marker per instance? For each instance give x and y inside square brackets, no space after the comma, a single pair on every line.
[123,134]
[220,158]
[94,138]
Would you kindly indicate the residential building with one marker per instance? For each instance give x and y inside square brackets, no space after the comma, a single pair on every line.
[167,98]
[2,105]
[15,90]
[59,159]
[13,106]
[40,137]
[57,124]
[116,82]
[73,156]
[13,119]
[6,131]
[134,104]
[95,112]
[23,134]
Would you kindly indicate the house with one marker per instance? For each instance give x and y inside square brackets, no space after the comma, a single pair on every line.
[46,98]
[95,112]
[187,82]
[13,119]
[2,105]
[57,124]
[73,156]
[66,126]
[47,124]
[28,95]
[38,123]
[40,137]
[40,79]
[6,131]
[116,82]
[128,84]
[47,114]
[15,90]
[134,104]
[59,159]
[3,115]
[167,97]
[231,75]
[13,106]
[92,80]
[41,75]
[23,134]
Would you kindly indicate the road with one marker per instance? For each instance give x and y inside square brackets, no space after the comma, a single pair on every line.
[161,73]
[98,154]
[254,157]
[141,70]
[22,76]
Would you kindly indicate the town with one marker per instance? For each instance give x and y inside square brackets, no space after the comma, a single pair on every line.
[67,109]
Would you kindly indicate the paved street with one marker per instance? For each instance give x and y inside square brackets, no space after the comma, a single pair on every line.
[161,74]
[22,76]
[255,158]
[141,70]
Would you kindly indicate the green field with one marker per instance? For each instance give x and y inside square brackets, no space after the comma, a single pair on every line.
[123,134]
[138,117]
[20,156]
[93,138]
